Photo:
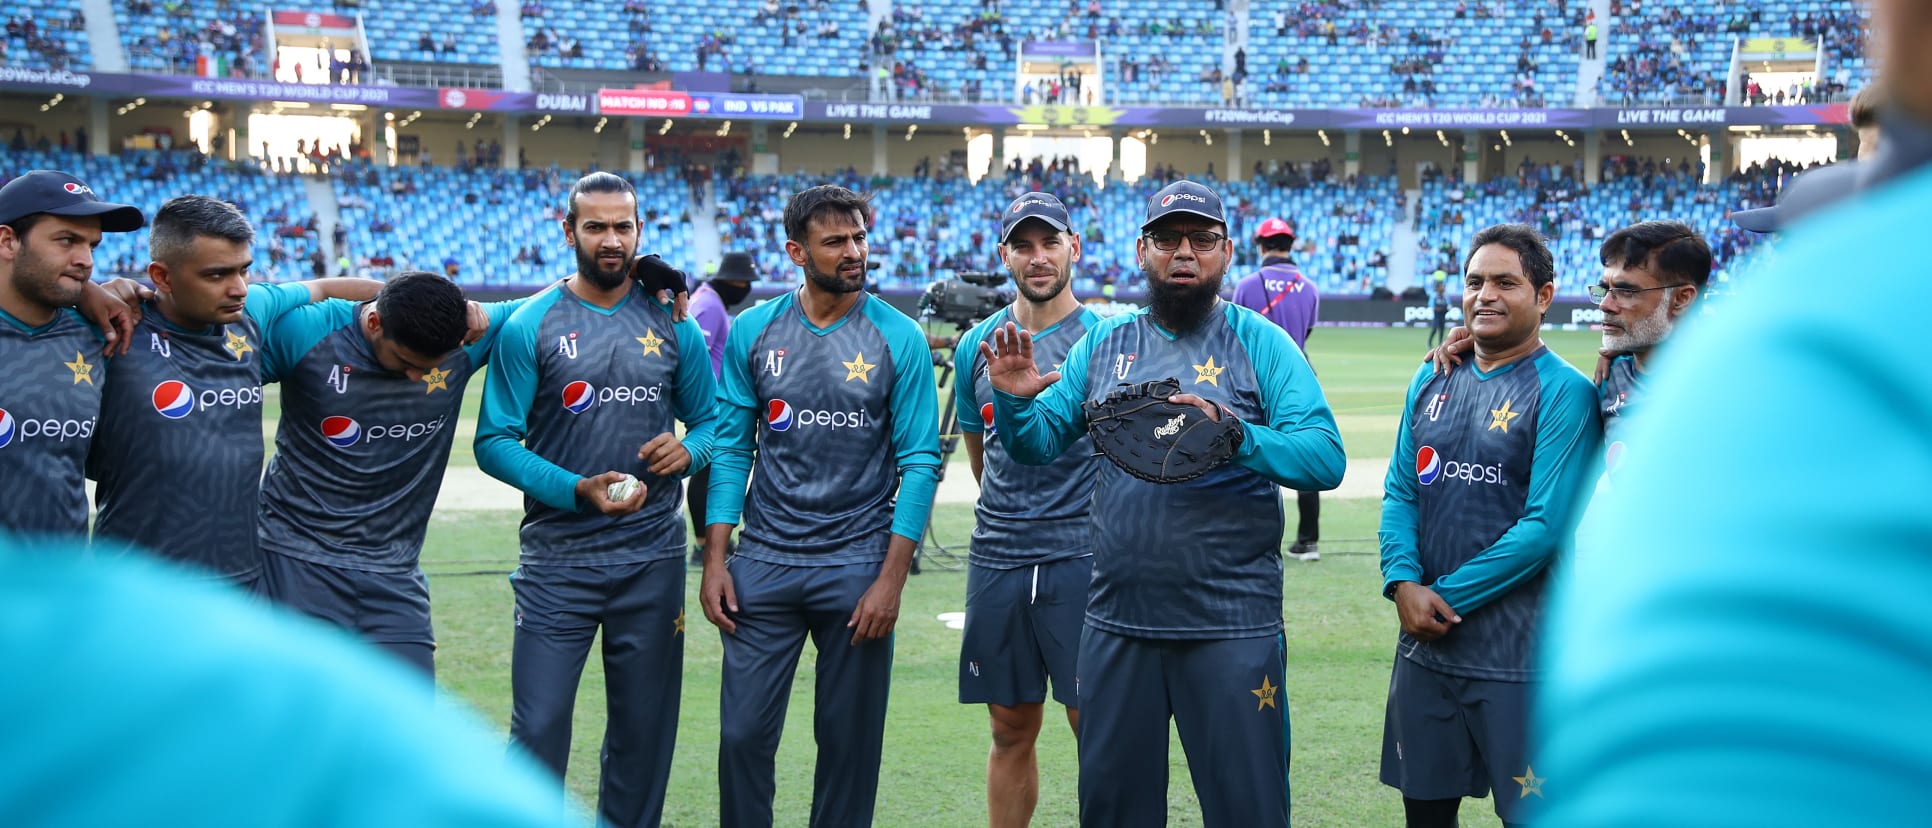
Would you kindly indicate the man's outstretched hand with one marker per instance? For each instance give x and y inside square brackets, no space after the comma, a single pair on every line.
[1009,362]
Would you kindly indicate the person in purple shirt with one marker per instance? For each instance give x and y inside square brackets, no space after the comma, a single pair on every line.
[724,289]
[1281,293]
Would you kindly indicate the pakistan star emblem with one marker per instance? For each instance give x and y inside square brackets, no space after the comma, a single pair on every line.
[83,371]
[238,345]
[435,379]
[1532,784]
[859,369]
[650,341]
[1266,692]
[1501,417]
[1209,373]
[677,626]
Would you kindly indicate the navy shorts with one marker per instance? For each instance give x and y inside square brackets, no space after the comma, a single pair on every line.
[382,607]
[1447,737]
[1022,629]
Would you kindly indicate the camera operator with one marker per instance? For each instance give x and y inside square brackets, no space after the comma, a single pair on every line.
[1031,554]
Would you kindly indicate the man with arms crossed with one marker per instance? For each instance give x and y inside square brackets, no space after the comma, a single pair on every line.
[843,385]
[1480,494]
[1184,613]
[583,373]
[1031,556]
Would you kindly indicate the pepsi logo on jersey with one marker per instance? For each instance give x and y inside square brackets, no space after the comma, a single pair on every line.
[174,400]
[21,429]
[344,432]
[781,416]
[579,396]
[1431,466]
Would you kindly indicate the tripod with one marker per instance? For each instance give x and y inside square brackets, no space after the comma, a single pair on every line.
[950,558]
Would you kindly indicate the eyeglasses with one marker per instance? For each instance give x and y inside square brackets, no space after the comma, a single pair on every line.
[1598,293]
[1201,240]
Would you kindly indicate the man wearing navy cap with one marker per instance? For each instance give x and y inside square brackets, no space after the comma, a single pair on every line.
[1281,293]
[50,395]
[1184,610]
[1031,555]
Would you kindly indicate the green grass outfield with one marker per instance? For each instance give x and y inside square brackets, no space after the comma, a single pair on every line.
[1340,646]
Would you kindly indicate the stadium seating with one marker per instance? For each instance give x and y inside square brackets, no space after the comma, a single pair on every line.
[1476,63]
[186,38]
[734,35]
[1679,51]
[45,37]
[276,204]
[946,51]
[1575,219]
[483,218]
[396,28]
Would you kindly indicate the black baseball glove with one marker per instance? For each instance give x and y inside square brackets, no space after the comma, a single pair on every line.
[1156,440]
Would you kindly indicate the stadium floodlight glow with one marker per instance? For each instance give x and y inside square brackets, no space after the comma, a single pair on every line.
[791,129]
[601,122]
[848,130]
[1405,130]
[1029,126]
[1153,137]
[910,129]
[1496,147]
[1267,137]
[666,127]
[348,107]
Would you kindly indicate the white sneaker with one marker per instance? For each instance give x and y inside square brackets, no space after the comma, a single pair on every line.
[1305,552]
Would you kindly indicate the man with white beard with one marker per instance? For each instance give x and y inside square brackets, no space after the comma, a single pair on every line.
[1653,272]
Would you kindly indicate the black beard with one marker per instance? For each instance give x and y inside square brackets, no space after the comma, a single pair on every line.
[587,268]
[833,282]
[1058,287]
[1181,308]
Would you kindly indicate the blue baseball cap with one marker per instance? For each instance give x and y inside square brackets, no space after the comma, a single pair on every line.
[1184,197]
[1040,206]
[57,193]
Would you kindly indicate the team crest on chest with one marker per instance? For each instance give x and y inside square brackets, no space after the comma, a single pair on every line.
[1500,417]
[651,342]
[859,369]
[567,345]
[83,370]
[1209,373]
[158,343]
[775,361]
[237,345]
[435,380]
[1124,363]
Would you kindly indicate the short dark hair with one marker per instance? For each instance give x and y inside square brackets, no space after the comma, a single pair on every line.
[1538,264]
[423,312]
[1277,244]
[1667,248]
[183,219]
[597,182]
[820,200]
[25,224]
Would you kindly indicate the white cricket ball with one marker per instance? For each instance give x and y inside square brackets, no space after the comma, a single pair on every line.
[623,490]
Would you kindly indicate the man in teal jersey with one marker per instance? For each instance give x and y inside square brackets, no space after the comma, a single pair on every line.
[829,392]
[1704,666]
[181,413]
[1031,555]
[1480,494]
[1184,611]
[50,394]
[581,375]
[161,699]
[371,394]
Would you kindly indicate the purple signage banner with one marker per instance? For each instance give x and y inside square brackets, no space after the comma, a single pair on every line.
[1460,118]
[1836,114]
[754,107]
[1674,117]
[1057,48]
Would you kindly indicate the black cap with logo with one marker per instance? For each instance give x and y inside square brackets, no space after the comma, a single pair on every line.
[57,193]
[1034,206]
[1184,197]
